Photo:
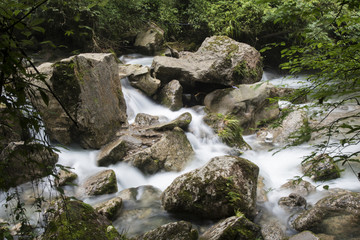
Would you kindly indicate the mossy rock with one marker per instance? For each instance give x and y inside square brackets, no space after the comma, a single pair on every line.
[76,220]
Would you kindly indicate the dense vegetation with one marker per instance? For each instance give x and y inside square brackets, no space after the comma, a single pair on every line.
[320,37]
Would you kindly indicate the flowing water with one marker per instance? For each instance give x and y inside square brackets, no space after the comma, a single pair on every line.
[276,169]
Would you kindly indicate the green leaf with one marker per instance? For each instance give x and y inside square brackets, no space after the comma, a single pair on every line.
[38,29]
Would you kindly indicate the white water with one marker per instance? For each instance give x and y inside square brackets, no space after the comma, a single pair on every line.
[276,169]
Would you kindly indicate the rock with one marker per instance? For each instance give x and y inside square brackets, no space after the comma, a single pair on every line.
[151,151]
[183,121]
[219,60]
[88,86]
[261,194]
[110,209]
[150,40]
[272,229]
[141,79]
[103,182]
[337,214]
[248,102]
[293,202]
[22,162]
[146,120]
[216,190]
[65,177]
[321,168]
[305,235]
[76,220]
[126,70]
[303,188]
[171,52]
[171,95]
[233,228]
[283,134]
[287,94]
[177,230]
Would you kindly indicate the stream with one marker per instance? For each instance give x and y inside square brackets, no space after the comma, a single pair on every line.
[275,169]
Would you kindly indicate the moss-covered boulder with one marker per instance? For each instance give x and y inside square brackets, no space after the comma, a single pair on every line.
[171,95]
[21,162]
[249,103]
[321,168]
[73,219]
[219,60]
[216,190]
[337,214]
[65,177]
[233,228]
[111,208]
[177,230]
[183,121]
[103,182]
[88,87]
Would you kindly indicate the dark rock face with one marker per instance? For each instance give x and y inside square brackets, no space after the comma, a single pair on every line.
[216,190]
[220,60]
[21,163]
[88,86]
[77,220]
[337,214]
[233,228]
[292,202]
[177,230]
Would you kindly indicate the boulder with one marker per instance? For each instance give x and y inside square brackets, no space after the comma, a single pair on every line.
[272,229]
[151,151]
[321,168]
[88,87]
[171,95]
[337,214]
[293,202]
[73,219]
[177,230]
[150,39]
[65,177]
[292,126]
[141,79]
[216,190]
[21,162]
[249,103]
[126,70]
[233,228]
[103,182]
[219,60]
[146,120]
[302,188]
[305,235]
[110,209]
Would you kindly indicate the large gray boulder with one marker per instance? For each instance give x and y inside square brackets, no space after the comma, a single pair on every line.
[216,190]
[88,87]
[162,147]
[150,39]
[337,214]
[141,79]
[233,228]
[219,60]
[171,95]
[177,230]
[20,163]
[73,219]
[249,103]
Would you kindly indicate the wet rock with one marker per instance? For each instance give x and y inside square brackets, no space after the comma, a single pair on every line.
[66,177]
[88,86]
[146,120]
[216,190]
[128,194]
[305,235]
[183,121]
[73,219]
[22,162]
[126,70]
[272,229]
[303,188]
[295,121]
[337,214]
[141,79]
[177,230]
[171,95]
[219,60]
[249,103]
[233,228]
[103,182]
[321,168]
[293,202]
[261,195]
[110,209]
[150,39]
